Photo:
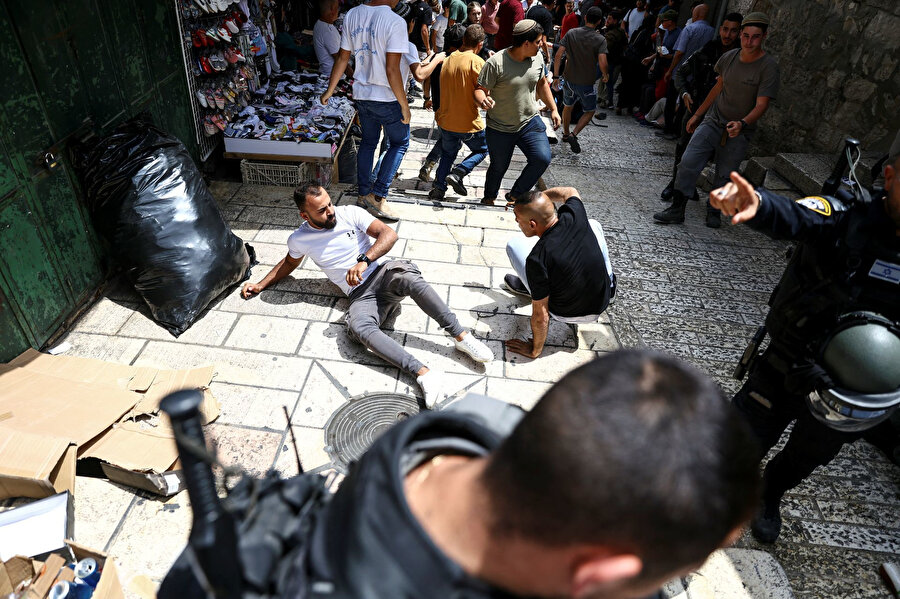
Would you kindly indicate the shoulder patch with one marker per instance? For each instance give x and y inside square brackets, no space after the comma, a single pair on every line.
[816,204]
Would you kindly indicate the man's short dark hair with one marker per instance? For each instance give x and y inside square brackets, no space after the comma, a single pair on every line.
[594,15]
[634,450]
[617,14]
[325,5]
[735,17]
[474,35]
[532,35]
[453,37]
[310,188]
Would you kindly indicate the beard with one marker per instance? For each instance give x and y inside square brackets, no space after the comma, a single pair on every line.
[328,223]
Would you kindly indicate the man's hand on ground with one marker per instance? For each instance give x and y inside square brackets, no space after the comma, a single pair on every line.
[250,289]
[354,275]
[525,348]
[736,199]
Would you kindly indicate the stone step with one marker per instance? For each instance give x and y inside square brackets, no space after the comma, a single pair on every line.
[807,172]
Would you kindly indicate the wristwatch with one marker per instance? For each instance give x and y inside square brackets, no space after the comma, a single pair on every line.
[743,123]
[363,258]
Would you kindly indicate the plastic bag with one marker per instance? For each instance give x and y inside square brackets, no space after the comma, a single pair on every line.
[149,201]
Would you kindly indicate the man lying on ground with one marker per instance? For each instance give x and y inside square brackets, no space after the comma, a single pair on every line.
[339,240]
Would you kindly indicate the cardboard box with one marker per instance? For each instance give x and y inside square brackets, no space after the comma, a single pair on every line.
[16,572]
[56,409]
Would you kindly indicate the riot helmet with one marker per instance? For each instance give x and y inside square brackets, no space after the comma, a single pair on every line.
[860,387]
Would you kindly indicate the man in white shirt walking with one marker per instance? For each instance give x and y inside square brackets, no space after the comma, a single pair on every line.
[378,38]
[339,241]
[326,37]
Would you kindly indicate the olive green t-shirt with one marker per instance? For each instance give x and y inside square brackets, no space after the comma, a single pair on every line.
[512,85]
[742,84]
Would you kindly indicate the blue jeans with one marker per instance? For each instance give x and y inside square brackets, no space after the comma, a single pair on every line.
[532,140]
[450,144]
[373,117]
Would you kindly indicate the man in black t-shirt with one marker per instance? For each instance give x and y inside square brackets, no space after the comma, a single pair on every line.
[540,12]
[420,26]
[562,264]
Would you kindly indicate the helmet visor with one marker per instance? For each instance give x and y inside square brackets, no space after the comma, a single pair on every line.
[849,412]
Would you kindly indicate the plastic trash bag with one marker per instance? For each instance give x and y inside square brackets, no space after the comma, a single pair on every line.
[149,201]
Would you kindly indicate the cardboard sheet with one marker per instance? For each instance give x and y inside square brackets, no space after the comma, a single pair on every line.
[132,447]
[55,407]
[35,465]
[85,370]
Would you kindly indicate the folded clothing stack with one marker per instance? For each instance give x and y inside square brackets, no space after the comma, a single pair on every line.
[287,108]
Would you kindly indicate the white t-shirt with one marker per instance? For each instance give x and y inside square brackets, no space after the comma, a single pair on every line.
[439,27]
[335,250]
[327,42]
[410,58]
[370,32]
[634,18]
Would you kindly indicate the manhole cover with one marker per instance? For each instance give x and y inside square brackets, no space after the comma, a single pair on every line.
[354,426]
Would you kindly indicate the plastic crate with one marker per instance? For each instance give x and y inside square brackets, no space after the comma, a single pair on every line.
[271,173]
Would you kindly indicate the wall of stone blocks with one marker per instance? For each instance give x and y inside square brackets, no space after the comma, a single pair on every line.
[839,74]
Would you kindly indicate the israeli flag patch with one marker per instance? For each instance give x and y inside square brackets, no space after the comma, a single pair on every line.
[886,271]
[816,204]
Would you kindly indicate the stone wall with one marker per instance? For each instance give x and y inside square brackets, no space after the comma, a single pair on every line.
[839,74]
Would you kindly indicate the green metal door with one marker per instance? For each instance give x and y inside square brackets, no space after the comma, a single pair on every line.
[71,67]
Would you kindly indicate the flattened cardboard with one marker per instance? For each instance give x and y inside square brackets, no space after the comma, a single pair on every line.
[85,370]
[47,405]
[34,465]
[132,447]
[167,381]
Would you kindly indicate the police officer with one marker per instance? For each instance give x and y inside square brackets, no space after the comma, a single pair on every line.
[833,363]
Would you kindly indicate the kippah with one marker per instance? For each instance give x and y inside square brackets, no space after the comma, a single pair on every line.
[669,15]
[755,18]
[524,26]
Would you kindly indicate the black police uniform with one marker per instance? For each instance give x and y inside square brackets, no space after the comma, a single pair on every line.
[838,267]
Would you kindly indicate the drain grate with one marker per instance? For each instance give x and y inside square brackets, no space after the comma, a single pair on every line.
[354,426]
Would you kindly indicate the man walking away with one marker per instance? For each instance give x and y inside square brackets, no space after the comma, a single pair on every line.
[586,50]
[378,38]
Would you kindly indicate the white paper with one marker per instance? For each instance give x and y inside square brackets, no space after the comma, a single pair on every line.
[35,528]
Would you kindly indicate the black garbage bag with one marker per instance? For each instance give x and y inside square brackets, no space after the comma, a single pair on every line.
[149,201]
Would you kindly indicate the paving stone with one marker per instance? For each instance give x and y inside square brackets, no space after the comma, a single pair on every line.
[275,234]
[422,213]
[332,341]
[253,450]
[269,196]
[439,352]
[103,347]
[256,407]
[497,238]
[277,303]
[524,394]
[864,514]
[246,231]
[267,333]
[430,250]
[455,274]
[485,256]
[853,537]
[466,236]
[223,191]
[232,366]
[425,232]
[152,536]
[490,219]
[210,328]
[549,367]
[332,383]
[481,299]
[99,507]
[310,445]
[284,217]
[105,317]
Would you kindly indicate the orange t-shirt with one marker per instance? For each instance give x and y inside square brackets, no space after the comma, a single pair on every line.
[459,75]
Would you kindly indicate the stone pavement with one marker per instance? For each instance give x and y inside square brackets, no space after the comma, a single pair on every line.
[688,290]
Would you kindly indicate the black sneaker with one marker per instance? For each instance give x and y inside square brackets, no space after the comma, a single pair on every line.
[766,526]
[573,143]
[713,219]
[436,194]
[515,285]
[454,180]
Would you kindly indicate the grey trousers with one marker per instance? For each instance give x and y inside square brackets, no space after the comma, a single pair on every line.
[379,298]
[706,143]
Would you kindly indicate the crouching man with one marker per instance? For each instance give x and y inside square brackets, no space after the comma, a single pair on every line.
[339,241]
[561,262]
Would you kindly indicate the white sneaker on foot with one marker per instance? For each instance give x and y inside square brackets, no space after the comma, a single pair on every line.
[432,388]
[476,349]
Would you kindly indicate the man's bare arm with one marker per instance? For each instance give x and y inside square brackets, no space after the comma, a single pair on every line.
[280,271]
[385,238]
[340,65]
[561,194]
[398,86]
[540,324]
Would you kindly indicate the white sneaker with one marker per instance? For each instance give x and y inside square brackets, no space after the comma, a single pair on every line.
[432,388]
[476,349]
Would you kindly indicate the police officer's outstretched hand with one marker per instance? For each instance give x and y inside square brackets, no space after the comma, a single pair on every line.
[737,199]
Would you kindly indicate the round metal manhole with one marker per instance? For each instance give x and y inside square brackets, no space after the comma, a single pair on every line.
[354,426]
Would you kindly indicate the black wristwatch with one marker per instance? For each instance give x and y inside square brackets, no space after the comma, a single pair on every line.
[363,258]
